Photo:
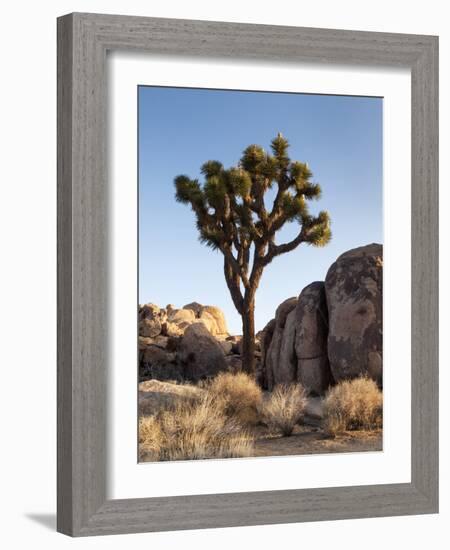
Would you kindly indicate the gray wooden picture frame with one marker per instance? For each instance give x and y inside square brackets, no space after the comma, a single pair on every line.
[83,41]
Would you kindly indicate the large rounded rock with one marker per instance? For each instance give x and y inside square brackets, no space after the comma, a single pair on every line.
[272,356]
[217,315]
[209,322]
[283,311]
[178,316]
[151,319]
[212,316]
[150,328]
[150,311]
[354,295]
[311,320]
[200,353]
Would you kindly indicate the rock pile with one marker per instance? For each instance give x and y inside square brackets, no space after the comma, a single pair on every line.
[333,330]
[190,343]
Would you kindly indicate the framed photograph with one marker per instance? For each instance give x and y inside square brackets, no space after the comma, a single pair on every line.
[247,274]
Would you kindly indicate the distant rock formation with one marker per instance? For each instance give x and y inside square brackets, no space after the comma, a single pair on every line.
[190,343]
[212,316]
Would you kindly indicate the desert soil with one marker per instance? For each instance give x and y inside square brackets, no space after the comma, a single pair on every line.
[312,440]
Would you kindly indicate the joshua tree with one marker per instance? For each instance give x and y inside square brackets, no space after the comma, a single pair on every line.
[232,217]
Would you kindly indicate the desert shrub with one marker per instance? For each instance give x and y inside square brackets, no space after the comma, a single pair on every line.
[239,395]
[193,430]
[353,405]
[150,436]
[284,408]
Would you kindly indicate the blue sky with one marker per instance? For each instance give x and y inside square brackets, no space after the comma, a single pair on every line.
[179,129]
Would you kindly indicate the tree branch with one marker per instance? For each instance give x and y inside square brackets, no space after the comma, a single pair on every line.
[232,281]
[276,250]
[258,206]
[283,182]
[256,273]
[234,264]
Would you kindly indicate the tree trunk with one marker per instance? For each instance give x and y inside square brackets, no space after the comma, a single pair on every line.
[248,339]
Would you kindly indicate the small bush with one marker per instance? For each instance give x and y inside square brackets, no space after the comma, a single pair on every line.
[239,395]
[353,405]
[193,431]
[284,408]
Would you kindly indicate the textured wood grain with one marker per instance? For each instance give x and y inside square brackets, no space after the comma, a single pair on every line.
[64,331]
[83,40]
[424,276]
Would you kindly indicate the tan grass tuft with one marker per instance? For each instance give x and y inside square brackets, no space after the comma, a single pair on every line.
[284,408]
[150,436]
[193,431]
[240,396]
[353,405]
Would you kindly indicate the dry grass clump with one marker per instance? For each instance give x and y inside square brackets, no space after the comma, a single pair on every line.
[192,431]
[240,396]
[353,405]
[284,408]
[150,437]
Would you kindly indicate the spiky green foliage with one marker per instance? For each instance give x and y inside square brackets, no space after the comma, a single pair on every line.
[230,206]
[232,217]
